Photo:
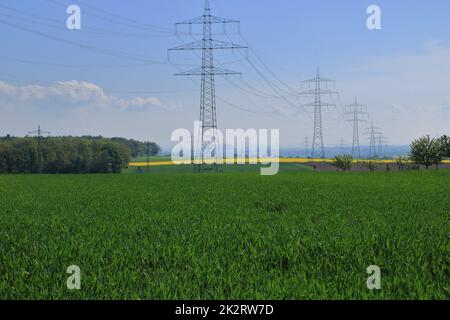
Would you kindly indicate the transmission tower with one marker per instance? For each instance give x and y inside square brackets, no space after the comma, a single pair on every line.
[373,132]
[39,134]
[382,141]
[207,71]
[317,144]
[356,112]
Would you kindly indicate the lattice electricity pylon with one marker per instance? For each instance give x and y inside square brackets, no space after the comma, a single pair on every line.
[382,141]
[39,134]
[356,112]
[373,132]
[318,92]
[208,116]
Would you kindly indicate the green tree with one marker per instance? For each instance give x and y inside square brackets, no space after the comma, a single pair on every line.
[110,157]
[445,146]
[371,165]
[343,162]
[63,155]
[426,151]
[4,154]
[139,148]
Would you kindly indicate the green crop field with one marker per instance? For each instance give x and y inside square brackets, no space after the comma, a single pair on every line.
[236,168]
[297,235]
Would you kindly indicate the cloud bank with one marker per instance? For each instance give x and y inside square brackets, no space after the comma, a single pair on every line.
[70,94]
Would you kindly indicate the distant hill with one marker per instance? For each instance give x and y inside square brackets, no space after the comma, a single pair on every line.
[330,152]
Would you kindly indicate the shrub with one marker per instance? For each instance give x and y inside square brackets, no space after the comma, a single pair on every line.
[370,165]
[401,162]
[343,162]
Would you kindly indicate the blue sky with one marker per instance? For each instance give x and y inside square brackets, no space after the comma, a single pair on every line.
[400,72]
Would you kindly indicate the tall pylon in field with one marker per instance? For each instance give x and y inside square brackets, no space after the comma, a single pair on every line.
[357,114]
[318,149]
[208,116]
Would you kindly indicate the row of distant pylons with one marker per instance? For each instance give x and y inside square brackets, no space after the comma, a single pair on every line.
[355,113]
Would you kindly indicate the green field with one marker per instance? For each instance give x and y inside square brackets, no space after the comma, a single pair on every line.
[237,168]
[297,235]
[152,159]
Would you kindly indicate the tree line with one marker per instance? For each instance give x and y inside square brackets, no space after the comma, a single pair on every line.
[70,154]
[138,148]
[425,151]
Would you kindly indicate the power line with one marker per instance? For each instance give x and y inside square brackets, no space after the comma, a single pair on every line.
[252,90]
[83,46]
[243,109]
[274,88]
[228,103]
[74,66]
[115,18]
[60,25]
[290,91]
[235,85]
[279,93]
[267,81]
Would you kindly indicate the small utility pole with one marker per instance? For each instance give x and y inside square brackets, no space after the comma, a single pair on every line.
[39,138]
[148,156]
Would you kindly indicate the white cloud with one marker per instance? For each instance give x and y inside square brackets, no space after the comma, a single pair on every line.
[72,94]
[7,89]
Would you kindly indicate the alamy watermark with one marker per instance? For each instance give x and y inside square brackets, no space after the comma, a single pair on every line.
[74,280]
[374,281]
[73,22]
[374,19]
[241,147]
